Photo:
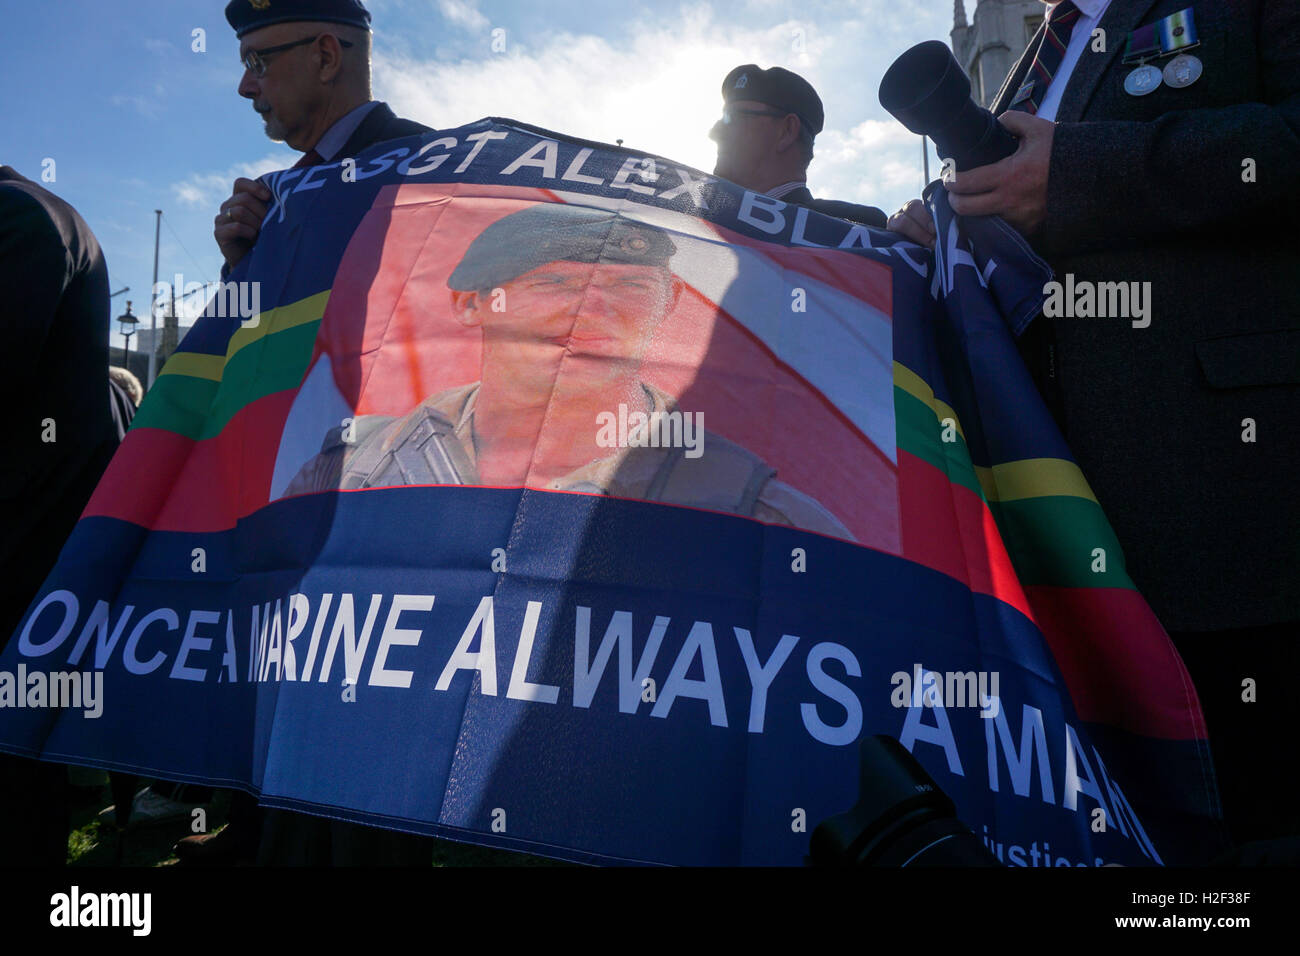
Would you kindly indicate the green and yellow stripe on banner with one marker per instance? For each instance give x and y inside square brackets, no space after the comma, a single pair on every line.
[1050,521]
[195,394]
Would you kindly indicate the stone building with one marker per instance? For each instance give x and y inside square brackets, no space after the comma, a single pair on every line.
[989,45]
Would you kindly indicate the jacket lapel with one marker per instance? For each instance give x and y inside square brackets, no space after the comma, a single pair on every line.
[1118,21]
[1017,74]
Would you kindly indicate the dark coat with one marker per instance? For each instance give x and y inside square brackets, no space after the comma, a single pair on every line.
[866,215]
[1151,189]
[54,297]
[379,126]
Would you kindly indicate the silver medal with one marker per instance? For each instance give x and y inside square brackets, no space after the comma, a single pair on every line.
[1182,70]
[1143,80]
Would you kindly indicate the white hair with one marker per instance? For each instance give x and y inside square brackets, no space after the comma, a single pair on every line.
[128,382]
[356,61]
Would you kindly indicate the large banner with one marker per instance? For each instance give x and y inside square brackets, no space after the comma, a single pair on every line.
[545,495]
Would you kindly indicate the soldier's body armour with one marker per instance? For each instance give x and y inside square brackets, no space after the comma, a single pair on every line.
[425,450]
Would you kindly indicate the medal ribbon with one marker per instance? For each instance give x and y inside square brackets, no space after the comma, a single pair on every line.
[1175,32]
[1142,44]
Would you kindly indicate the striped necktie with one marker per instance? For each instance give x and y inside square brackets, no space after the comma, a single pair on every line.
[1056,37]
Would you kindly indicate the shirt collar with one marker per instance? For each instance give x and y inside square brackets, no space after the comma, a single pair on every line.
[1092,8]
[337,136]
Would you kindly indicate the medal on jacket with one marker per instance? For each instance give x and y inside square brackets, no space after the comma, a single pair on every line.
[1176,33]
[1142,45]
[1143,80]
[1182,70]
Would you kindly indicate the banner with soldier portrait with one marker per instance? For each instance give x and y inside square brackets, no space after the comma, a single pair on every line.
[563,498]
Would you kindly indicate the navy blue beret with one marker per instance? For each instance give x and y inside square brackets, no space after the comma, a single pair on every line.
[779,89]
[549,232]
[247,15]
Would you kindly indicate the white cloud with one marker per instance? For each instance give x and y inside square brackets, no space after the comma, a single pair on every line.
[873,162]
[210,189]
[656,87]
[654,83]
[463,13]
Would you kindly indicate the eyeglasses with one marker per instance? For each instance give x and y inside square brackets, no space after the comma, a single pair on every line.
[255,60]
[729,113]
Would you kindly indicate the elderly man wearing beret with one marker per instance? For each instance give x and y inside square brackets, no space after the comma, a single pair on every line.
[765,139]
[307,72]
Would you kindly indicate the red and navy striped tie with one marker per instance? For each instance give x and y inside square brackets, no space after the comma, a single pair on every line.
[309,158]
[1056,37]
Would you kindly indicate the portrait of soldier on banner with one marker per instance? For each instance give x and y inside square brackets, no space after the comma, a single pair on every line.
[567,300]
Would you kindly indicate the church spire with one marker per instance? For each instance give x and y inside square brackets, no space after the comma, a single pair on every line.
[958,15]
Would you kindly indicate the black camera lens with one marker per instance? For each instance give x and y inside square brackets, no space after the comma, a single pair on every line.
[926,90]
[902,818]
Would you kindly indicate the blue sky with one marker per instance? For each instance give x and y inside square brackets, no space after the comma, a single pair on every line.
[136,120]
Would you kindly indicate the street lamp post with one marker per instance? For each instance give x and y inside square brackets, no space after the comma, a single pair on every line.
[153,310]
[126,325]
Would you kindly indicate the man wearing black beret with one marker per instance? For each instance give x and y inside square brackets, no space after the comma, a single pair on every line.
[765,139]
[307,71]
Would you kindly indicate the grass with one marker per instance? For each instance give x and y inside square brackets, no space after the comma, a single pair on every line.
[94,842]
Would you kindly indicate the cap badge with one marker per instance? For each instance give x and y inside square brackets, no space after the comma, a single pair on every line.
[742,82]
[259,4]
